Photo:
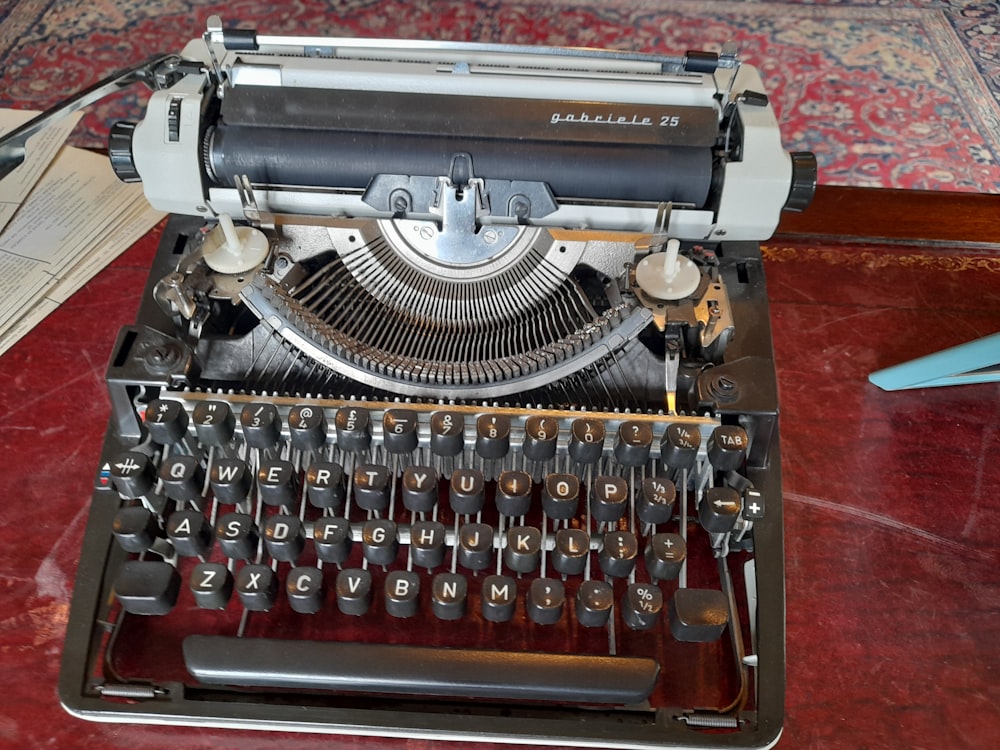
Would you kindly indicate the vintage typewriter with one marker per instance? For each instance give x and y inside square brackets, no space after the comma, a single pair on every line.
[450,410]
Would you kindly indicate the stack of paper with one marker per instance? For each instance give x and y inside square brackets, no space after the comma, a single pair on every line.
[65,216]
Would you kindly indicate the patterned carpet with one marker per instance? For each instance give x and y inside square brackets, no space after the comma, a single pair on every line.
[888,94]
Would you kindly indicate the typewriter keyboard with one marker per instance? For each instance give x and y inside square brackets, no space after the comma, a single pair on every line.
[485,553]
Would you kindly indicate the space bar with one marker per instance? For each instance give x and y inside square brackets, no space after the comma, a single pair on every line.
[419,670]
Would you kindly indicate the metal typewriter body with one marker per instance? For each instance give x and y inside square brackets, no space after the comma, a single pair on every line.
[435,379]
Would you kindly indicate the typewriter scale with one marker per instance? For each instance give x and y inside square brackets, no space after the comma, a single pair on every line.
[447,412]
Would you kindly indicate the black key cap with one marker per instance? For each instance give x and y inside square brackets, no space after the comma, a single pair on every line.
[523,550]
[284,537]
[147,587]
[419,488]
[332,539]
[449,594]
[698,615]
[427,544]
[167,421]
[135,528]
[513,496]
[190,533]
[608,498]
[593,603]
[257,587]
[399,430]
[634,442]
[719,509]
[541,435]
[475,546]
[618,555]
[354,428]
[183,478]
[545,601]
[305,590]
[380,541]
[277,483]
[641,606]
[753,504]
[418,670]
[572,548]
[492,435]
[372,486]
[231,480]
[237,536]
[261,425]
[214,422]
[665,554]
[133,474]
[211,584]
[325,485]
[402,593]
[586,440]
[727,447]
[467,491]
[447,433]
[354,591]
[679,445]
[307,427]
[499,598]
[656,500]
[560,496]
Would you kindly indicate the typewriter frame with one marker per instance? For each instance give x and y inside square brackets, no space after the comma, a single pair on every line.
[142,356]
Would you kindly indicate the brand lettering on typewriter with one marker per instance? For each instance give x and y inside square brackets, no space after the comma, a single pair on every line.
[636,120]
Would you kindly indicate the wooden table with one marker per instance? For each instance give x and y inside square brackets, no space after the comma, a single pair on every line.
[893,582]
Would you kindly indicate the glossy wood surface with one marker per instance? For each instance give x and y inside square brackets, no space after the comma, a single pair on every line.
[892,552]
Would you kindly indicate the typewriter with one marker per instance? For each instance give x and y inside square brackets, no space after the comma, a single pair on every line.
[450,409]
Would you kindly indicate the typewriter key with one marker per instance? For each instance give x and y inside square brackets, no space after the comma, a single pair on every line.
[513,496]
[354,428]
[231,480]
[593,603]
[237,536]
[190,533]
[402,593]
[727,447]
[664,555]
[261,425]
[447,433]
[545,601]
[166,421]
[307,427]
[419,488]
[284,538]
[679,446]
[586,442]
[257,587]
[618,555]
[641,606]
[325,485]
[354,591]
[499,598]
[211,584]
[656,500]
[214,422]
[633,444]
[276,483]
[305,590]
[133,474]
[492,435]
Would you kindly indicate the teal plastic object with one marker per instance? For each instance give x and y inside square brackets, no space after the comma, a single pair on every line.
[975,362]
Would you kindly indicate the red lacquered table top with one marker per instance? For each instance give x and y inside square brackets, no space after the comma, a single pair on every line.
[891,502]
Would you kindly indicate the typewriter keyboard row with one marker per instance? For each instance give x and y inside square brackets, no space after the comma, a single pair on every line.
[448,513]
